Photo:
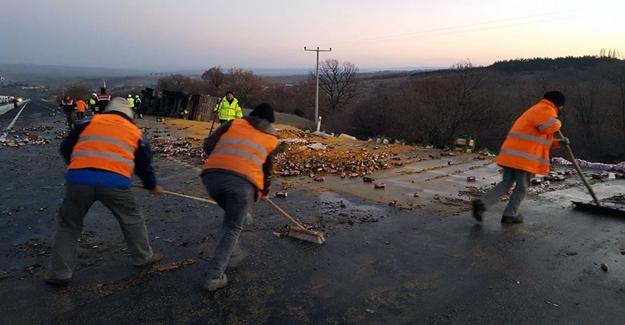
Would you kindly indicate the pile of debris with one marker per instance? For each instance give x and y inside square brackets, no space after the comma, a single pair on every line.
[177,147]
[620,167]
[303,153]
[18,140]
[302,160]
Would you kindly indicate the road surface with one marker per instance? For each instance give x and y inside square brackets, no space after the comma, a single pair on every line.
[386,266]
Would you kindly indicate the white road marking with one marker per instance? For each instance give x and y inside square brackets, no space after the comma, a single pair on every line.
[16,117]
[4,135]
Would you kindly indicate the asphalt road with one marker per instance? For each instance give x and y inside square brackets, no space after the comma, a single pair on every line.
[387,266]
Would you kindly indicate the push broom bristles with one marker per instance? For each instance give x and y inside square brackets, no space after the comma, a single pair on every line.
[306,235]
[299,231]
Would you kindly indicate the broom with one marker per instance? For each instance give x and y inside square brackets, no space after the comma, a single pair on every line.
[299,232]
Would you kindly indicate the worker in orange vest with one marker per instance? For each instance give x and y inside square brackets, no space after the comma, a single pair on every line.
[525,152]
[236,173]
[81,108]
[103,152]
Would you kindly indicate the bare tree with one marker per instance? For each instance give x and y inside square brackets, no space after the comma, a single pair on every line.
[181,83]
[616,76]
[588,113]
[455,103]
[247,86]
[215,76]
[338,82]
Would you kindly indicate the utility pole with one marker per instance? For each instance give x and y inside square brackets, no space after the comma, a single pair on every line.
[317,87]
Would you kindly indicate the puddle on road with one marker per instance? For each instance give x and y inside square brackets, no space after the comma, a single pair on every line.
[332,197]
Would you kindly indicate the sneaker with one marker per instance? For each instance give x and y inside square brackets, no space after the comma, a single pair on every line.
[216,283]
[156,257]
[56,282]
[512,220]
[478,209]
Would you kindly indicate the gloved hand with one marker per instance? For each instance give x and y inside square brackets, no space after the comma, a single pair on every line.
[264,193]
[565,141]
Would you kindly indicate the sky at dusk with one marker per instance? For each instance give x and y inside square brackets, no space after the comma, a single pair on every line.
[158,34]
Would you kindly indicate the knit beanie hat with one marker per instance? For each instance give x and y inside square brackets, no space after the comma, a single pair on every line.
[264,111]
[556,97]
[120,104]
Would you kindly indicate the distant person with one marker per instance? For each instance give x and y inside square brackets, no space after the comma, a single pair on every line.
[68,106]
[131,104]
[15,101]
[103,99]
[93,102]
[138,106]
[102,153]
[525,152]
[81,108]
[236,173]
[228,108]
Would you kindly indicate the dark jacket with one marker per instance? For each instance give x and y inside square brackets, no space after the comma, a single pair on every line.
[143,154]
[68,106]
[260,124]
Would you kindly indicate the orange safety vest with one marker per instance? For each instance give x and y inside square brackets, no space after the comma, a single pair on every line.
[243,149]
[528,143]
[81,106]
[108,143]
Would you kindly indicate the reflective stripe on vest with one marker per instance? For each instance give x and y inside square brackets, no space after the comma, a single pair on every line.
[102,138]
[243,150]
[243,154]
[547,124]
[107,143]
[89,153]
[247,143]
[524,155]
[529,137]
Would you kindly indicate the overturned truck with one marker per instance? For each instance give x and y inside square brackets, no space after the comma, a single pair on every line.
[179,104]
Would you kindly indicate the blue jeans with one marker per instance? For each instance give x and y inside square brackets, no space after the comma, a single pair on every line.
[236,196]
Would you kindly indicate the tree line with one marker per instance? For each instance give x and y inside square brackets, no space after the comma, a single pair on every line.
[436,107]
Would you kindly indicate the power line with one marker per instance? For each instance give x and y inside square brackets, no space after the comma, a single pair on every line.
[491,24]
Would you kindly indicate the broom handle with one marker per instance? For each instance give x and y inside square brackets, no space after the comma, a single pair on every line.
[190,197]
[183,195]
[579,171]
[285,214]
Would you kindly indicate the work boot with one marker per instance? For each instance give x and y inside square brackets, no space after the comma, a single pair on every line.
[512,220]
[156,257]
[478,209]
[216,283]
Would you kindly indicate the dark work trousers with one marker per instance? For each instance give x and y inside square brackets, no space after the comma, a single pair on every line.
[235,195]
[511,176]
[78,200]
